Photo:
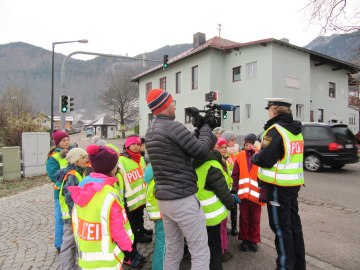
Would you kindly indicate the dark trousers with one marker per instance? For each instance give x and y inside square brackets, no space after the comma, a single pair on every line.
[214,242]
[285,222]
[249,221]
[136,219]
[234,216]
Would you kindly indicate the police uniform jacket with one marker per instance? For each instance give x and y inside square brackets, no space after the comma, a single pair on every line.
[272,148]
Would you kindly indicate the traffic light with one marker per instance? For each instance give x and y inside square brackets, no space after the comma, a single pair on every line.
[64,104]
[166,61]
[71,105]
[224,114]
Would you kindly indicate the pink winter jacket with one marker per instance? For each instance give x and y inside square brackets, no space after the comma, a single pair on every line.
[83,194]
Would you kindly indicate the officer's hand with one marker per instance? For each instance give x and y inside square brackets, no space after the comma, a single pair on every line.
[237,199]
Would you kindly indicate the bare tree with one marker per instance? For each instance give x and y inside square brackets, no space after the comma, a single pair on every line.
[333,15]
[122,96]
[17,115]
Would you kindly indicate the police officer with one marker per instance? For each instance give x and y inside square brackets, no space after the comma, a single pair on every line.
[280,162]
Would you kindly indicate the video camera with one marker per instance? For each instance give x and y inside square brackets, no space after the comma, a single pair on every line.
[212,112]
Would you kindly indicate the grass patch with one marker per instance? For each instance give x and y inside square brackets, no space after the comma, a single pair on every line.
[11,187]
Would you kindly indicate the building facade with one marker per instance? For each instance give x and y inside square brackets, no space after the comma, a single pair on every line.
[244,74]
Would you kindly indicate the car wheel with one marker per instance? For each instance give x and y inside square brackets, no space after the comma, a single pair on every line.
[312,163]
[336,167]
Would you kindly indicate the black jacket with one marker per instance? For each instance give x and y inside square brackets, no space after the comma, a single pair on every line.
[215,180]
[171,146]
[274,151]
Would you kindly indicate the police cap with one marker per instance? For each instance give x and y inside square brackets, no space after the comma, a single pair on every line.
[278,102]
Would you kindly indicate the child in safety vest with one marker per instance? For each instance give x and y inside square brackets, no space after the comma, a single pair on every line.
[154,214]
[215,199]
[232,150]
[101,227]
[70,176]
[227,255]
[56,161]
[245,175]
[132,166]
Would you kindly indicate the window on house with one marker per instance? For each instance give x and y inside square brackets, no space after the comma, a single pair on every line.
[178,83]
[148,88]
[299,112]
[194,77]
[352,118]
[150,118]
[163,83]
[332,90]
[236,115]
[248,111]
[236,74]
[251,70]
[320,115]
[311,116]
[187,118]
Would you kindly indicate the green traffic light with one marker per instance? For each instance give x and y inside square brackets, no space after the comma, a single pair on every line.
[165,65]
[63,109]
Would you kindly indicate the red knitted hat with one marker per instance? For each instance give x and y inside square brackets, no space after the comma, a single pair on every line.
[58,135]
[158,100]
[221,142]
[103,159]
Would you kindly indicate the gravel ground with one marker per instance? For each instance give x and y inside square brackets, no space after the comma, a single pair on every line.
[11,187]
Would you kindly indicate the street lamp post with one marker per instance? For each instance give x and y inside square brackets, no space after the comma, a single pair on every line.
[52,78]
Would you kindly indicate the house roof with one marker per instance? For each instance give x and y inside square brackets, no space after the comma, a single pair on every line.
[104,121]
[226,46]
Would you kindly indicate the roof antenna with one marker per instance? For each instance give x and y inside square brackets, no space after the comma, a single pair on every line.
[219,28]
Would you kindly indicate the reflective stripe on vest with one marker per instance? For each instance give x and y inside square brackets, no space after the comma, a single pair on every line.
[135,188]
[230,161]
[61,161]
[288,171]
[152,206]
[248,185]
[214,210]
[63,205]
[91,225]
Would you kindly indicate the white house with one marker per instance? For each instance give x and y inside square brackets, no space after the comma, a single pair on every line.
[245,74]
[354,119]
[105,128]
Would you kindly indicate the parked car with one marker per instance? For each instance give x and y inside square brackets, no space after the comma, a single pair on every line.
[333,145]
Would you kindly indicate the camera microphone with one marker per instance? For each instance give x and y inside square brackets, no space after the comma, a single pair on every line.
[226,107]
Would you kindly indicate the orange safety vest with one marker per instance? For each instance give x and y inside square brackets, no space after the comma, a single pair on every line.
[248,185]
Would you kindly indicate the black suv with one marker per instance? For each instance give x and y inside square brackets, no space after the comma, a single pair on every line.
[333,145]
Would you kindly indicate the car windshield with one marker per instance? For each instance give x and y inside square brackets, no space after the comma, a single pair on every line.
[343,134]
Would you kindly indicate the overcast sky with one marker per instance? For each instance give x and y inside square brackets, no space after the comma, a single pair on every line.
[133,27]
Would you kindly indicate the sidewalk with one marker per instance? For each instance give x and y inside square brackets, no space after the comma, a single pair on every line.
[27,229]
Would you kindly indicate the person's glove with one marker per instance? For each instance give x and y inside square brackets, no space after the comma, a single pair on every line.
[149,174]
[236,198]
[63,153]
[198,121]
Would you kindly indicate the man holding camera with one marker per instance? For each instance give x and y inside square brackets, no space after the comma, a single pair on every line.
[171,146]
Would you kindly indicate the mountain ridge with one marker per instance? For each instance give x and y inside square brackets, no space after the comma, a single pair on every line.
[28,67]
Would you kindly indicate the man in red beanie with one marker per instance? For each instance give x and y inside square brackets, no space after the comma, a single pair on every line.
[171,146]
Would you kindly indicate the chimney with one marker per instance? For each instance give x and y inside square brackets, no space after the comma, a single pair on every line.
[286,40]
[198,39]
